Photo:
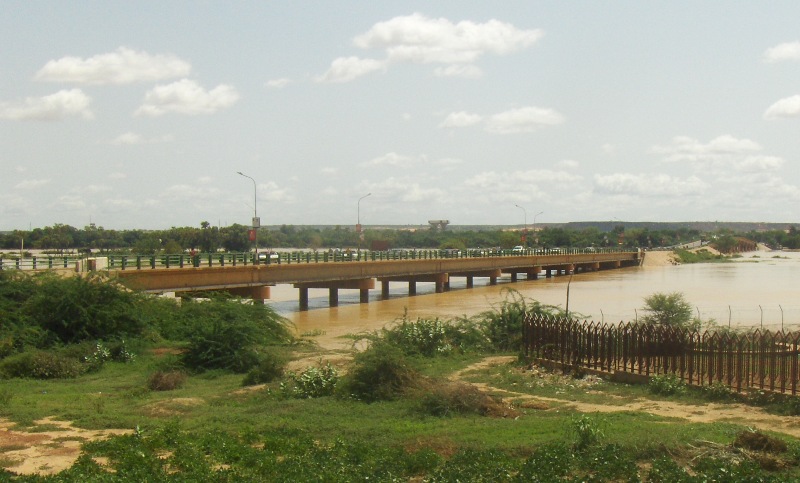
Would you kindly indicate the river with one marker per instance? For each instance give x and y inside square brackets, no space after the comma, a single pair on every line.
[754,290]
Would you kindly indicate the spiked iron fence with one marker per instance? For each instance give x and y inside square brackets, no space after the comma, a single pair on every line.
[757,360]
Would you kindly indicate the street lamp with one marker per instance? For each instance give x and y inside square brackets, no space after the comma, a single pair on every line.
[358,223]
[256,220]
[525,226]
[536,238]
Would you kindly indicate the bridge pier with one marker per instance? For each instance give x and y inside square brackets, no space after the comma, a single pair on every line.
[363,285]
[258,293]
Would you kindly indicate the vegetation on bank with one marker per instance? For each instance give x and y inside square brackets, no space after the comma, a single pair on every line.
[403,407]
[234,238]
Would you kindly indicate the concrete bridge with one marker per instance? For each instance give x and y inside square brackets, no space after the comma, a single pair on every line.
[255,280]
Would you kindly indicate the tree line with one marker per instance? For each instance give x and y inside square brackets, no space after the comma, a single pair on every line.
[61,238]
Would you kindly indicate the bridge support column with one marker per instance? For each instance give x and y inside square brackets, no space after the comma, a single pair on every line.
[534,274]
[333,297]
[303,298]
[469,281]
[258,293]
[412,287]
[492,280]
[513,276]
[384,289]
[548,273]
[364,295]
[442,280]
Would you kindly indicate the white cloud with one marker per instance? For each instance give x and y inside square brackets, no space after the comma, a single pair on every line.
[31,184]
[187,97]
[460,119]
[278,83]
[132,138]
[329,170]
[568,164]
[524,119]
[271,192]
[123,66]
[117,175]
[345,69]
[781,52]
[650,185]
[392,159]
[787,107]
[467,71]
[759,163]
[64,103]
[406,190]
[721,148]
[419,39]
[69,203]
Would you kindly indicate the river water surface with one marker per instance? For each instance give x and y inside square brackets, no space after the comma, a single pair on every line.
[758,289]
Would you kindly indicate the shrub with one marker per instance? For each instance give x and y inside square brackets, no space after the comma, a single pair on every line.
[379,373]
[502,325]
[717,392]
[166,380]
[453,398]
[40,365]
[226,334]
[666,385]
[271,366]
[586,432]
[313,382]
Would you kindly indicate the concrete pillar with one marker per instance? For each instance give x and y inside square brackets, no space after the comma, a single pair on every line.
[469,281]
[260,294]
[513,276]
[492,280]
[548,273]
[412,287]
[439,286]
[533,275]
[384,289]
[364,296]
[333,297]
[303,298]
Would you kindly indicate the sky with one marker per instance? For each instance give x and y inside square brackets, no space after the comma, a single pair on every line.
[140,115]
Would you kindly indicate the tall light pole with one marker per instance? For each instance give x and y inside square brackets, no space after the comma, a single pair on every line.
[358,222]
[535,237]
[256,220]
[525,226]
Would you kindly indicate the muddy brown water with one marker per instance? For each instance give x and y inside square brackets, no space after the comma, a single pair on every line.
[760,288]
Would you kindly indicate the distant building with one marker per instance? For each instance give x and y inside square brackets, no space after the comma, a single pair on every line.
[438,225]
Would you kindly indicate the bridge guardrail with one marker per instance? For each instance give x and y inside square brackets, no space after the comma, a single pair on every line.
[166,261]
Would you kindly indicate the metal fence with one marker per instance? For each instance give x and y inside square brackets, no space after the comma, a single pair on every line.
[758,360]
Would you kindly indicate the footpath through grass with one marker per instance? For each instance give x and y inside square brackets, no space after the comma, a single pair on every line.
[205,390]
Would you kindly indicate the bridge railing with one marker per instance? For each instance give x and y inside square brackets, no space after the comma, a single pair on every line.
[165,261]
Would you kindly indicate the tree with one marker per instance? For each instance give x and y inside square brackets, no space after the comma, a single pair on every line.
[668,309]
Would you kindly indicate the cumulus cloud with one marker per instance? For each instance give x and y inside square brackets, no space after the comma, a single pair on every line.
[723,147]
[524,119]
[787,107]
[345,69]
[278,83]
[187,97]
[460,119]
[69,203]
[31,184]
[132,138]
[123,66]
[54,107]
[650,185]
[272,192]
[457,70]
[781,52]
[406,190]
[419,39]
[391,159]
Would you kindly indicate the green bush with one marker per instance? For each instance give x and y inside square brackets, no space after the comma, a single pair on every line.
[271,366]
[442,399]
[586,432]
[717,392]
[666,385]
[313,382]
[41,365]
[502,325]
[379,373]
[226,334]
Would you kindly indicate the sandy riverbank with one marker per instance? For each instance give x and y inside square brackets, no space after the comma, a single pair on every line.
[659,259]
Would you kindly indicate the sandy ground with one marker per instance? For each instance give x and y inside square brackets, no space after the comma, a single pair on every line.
[658,259]
[45,452]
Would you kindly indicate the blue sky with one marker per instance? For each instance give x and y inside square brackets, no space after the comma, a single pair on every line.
[139,114]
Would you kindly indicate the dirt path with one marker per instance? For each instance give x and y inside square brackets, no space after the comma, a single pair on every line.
[749,416]
[45,452]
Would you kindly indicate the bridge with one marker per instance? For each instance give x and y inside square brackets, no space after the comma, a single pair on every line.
[358,271]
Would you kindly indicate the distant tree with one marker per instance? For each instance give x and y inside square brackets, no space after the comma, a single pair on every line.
[668,309]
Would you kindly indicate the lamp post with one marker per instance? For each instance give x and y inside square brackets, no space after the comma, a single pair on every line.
[256,220]
[535,237]
[358,222]
[525,226]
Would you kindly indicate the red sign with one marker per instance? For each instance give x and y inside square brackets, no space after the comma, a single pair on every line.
[252,234]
